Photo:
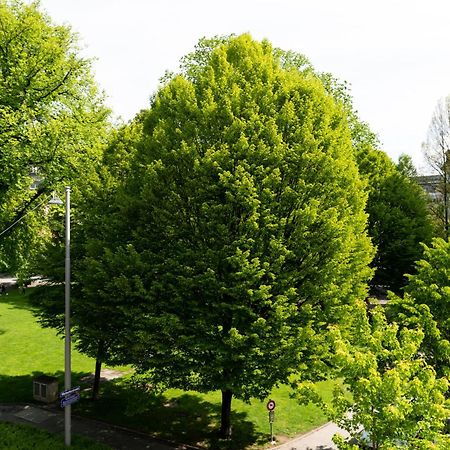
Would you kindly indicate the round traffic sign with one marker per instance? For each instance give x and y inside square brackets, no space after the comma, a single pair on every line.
[271,405]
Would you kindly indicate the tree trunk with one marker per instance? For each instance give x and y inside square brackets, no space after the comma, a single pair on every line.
[225,424]
[98,368]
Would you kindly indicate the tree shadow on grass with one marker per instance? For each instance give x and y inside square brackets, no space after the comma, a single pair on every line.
[186,419]
[17,300]
[19,388]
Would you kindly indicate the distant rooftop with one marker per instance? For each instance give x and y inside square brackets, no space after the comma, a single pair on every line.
[430,184]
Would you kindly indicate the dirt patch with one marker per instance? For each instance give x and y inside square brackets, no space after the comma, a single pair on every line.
[105,375]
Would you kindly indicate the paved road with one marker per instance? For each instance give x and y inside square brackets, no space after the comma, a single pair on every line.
[318,439]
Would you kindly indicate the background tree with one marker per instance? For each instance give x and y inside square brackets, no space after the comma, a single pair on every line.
[406,166]
[51,119]
[399,220]
[436,151]
[248,216]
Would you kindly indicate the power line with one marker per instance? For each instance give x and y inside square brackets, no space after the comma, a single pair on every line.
[18,220]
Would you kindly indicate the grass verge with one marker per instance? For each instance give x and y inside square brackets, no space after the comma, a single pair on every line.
[15,436]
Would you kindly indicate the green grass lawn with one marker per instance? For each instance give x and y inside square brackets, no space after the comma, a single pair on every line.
[19,437]
[27,350]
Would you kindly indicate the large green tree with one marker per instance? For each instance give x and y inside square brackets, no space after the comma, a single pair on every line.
[51,119]
[248,215]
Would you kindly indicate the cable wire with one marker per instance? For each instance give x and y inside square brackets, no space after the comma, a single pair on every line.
[18,220]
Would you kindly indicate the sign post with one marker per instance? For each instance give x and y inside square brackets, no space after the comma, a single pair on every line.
[271,408]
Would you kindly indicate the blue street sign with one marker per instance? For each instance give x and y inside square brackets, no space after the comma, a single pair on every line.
[69,392]
[66,401]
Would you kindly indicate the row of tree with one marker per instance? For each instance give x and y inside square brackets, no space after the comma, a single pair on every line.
[223,240]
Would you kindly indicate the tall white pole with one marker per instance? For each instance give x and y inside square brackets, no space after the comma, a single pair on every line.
[67,356]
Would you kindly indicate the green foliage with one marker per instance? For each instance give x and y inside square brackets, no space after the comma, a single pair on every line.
[248,216]
[103,272]
[100,299]
[427,302]
[406,167]
[431,283]
[399,220]
[51,119]
[410,313]
[396,396]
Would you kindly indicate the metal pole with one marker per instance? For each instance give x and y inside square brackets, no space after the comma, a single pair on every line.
[67,358]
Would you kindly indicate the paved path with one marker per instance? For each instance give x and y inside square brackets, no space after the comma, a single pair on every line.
[116,437]
[318,439]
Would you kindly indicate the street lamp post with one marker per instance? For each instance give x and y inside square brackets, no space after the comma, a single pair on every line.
[67,355]
[67,351]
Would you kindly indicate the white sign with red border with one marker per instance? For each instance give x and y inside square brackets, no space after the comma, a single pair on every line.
[271,405]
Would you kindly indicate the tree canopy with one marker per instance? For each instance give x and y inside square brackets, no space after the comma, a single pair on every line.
[51,118]
[399,219]
[248,215]
[103,270]
[427,302]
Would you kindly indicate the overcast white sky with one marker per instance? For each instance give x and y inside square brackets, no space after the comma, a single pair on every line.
[394,53]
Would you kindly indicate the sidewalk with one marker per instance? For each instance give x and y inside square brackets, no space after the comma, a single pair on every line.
[318,439]
[116,437]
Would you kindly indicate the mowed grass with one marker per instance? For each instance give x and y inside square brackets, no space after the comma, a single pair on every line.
[27,350]
[15,436]
[25,346]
